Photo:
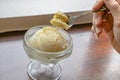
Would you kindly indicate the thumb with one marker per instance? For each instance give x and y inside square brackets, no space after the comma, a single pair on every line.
[113,6]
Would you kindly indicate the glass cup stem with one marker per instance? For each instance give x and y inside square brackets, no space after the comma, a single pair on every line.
[38,71]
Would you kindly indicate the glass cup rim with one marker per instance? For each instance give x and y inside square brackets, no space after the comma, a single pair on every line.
[43,52]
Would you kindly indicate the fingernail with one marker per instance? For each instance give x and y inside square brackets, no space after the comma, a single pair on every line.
[98,30]
[109,12]
[94,9]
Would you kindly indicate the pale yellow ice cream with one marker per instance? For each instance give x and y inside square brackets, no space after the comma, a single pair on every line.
[60,20]
[61,16]
[48,39]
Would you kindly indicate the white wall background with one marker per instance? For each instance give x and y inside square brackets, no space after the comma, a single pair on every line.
[13,8]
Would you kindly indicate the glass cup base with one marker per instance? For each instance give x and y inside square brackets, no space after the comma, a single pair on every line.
[38,71]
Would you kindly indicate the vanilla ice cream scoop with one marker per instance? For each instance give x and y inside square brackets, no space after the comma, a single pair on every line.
[60,20]
[48,39]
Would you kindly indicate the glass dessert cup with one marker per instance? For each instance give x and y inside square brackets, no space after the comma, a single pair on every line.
[44,65]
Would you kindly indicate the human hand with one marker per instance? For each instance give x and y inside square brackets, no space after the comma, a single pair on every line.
[111,25]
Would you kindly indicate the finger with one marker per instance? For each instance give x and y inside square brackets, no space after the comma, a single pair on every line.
[108,24]
[97,21]
[118,1]
[98,5]
[94,32]
[96,28]
[113,6]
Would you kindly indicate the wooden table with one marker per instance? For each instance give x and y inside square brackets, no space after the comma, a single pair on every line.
[91,59]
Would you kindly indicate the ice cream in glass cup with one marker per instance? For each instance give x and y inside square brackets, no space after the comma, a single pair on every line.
[46,45]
